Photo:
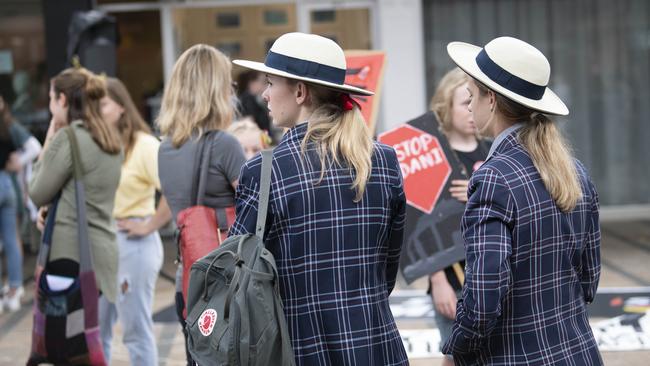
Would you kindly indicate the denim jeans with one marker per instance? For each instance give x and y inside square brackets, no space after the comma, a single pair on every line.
[140,261]
[8,232]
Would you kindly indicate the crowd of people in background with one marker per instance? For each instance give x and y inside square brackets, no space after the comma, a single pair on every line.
[20,149]
[336,206]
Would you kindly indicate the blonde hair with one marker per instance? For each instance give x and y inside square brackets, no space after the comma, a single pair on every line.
[341,137]
[244,127]
[443,99]
[550,152]
[83,92]
[198,96]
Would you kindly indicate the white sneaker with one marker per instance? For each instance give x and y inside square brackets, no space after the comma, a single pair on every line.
[13,302]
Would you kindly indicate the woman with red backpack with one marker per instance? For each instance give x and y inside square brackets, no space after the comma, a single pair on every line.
[197,107]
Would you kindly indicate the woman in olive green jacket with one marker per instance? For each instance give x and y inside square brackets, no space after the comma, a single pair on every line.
[75,96]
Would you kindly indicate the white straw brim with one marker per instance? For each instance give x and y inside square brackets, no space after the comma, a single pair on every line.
[464,55]
[258,66]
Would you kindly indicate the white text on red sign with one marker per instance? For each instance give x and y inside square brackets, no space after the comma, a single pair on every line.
[417,153]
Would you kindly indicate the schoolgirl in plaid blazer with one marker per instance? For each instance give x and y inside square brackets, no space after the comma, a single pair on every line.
[531,230]
[336,209]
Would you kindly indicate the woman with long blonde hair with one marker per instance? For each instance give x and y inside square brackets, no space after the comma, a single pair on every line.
[198,99]
[531,230]
[336,209]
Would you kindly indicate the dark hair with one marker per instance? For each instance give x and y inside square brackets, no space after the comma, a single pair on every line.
[4,128]
[244,79]
[131,122]
[5,118]
[83,92]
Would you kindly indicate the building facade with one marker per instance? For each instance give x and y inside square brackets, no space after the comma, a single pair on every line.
[599,52]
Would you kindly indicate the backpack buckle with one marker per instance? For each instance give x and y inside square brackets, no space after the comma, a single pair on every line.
[238,260]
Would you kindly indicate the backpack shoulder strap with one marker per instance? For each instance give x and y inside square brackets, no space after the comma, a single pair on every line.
[265,188]
[287,352]
[288,358]
[85,254]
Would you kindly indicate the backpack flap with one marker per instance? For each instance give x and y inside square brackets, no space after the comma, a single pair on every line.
[210,279]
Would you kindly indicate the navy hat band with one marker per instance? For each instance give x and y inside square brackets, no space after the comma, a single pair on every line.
[304,68]
[507,80]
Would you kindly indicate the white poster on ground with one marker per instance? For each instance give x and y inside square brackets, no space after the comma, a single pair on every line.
[629,332]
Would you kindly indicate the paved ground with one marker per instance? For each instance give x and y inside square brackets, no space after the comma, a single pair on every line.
[625,252]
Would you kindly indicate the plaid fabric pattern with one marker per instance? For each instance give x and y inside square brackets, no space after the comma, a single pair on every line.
[530,271]
[337,259]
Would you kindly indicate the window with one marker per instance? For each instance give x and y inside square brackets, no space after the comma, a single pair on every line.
[230,49]
[323,16]
[275,17]
[228,20]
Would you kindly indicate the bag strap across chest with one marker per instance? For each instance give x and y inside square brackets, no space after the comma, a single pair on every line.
[85,251]
[265,189]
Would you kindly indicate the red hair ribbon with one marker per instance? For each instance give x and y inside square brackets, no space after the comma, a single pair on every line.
[348,103]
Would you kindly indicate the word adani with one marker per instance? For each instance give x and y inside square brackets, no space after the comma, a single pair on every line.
[418,153]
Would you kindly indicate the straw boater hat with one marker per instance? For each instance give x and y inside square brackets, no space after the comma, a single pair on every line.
[512,68]
[306,57]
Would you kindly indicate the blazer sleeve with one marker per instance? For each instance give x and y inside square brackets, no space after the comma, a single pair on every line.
[487,224]
[398,221]
[247,198]
[590,273]
[52,172]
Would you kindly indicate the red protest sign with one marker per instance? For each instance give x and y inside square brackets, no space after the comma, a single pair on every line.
[424,166]
[365,70]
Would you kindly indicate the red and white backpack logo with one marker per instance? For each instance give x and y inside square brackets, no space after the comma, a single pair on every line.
[207,320]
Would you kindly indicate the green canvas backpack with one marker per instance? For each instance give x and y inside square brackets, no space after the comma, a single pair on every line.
[235,314]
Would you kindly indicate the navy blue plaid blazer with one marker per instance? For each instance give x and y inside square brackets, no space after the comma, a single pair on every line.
[531,269]
[337,259]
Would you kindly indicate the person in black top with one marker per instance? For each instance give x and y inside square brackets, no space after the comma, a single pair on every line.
[450,105]
[7,147]
[9,163]
[250,86]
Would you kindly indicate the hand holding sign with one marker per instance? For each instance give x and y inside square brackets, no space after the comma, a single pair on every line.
[458,189]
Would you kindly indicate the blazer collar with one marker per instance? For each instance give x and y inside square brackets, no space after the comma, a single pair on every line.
[505,140]
[296,133]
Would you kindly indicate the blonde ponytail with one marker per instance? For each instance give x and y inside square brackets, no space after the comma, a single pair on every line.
[553,159]
[341,137]
[549,151]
